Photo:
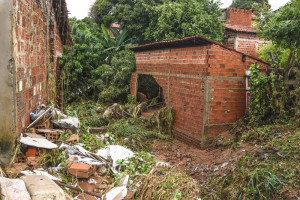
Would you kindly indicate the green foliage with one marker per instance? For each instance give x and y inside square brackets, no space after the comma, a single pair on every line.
[247,4]
[266,172]
[133,136]
[162,121]
[283,26]
[100,12]
[268,100]
[280,54]
[155,20]
[179,19]
[112,82]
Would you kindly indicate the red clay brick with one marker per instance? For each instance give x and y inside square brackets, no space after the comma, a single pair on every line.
[80,170]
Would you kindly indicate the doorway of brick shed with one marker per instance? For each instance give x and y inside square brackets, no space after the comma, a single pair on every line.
[150,92]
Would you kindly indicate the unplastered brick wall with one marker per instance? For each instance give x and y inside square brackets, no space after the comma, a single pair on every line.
[247,43]
[37,45]
[239,17]
[205,85]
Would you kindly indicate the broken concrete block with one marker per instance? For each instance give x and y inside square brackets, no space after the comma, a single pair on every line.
[117,193]
[81,170]
[43,188]
[13,189]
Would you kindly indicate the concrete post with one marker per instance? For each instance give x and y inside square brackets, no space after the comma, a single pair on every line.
[7,82]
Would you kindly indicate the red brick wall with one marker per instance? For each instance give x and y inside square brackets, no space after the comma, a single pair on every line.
[31,51]
[247,43]
[205,86]
[239,17]
[227,89]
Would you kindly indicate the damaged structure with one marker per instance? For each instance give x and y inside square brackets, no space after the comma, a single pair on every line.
[32,36]
[201,79]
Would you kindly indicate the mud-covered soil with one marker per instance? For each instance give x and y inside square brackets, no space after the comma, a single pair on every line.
[197,163]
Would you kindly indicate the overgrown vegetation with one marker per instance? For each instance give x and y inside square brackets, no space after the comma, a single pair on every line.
[154,20]
[266,172]
[98,67]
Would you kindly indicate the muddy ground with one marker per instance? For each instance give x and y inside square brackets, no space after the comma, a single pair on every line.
[197,163]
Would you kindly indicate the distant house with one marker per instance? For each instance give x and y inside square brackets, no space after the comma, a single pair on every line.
[239,33]
[116,26]
[203,81]
[32,36]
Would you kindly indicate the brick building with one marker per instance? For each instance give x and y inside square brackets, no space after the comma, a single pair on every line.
[201,79]
[239,33]
[32,36]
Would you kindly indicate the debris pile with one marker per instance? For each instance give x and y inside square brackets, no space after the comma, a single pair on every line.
[51,162]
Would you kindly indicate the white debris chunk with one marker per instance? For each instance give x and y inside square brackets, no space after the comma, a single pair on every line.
[13,189]
[42,173]
[114,153]
[38,142]
[117,193]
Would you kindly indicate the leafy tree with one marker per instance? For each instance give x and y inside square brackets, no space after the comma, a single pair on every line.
[83,57]
[282,28]
[142,18]
[97,63]
[173,20]
[101,12]
[113,81]
[247,4]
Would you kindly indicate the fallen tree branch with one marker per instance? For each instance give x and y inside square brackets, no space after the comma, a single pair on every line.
[78,189]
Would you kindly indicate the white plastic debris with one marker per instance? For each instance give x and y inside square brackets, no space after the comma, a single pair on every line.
[13,189]
[117,193]
[65,121]
[81,155]
[38,142]
[92,181]
[37,172]
[124,181]
[114,153]
[224,165]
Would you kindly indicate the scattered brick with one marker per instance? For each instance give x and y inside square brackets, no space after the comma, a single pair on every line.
[80,170]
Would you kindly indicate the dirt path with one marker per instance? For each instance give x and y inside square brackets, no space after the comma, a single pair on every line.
[197,163]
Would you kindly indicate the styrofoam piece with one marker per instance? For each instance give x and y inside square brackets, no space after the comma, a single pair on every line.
[38,142]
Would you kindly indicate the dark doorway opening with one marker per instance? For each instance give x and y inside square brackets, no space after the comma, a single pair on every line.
[149,88]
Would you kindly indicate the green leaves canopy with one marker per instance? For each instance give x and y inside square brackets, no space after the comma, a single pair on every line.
[154,20]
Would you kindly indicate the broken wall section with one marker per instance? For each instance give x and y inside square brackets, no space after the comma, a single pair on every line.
[182,73]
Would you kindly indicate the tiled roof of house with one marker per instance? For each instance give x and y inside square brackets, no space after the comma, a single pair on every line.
[239,28]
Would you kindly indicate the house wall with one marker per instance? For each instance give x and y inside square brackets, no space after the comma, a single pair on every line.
[226,90]
[205,85]
[7,114]
[37,45]
[181,72]
[239,16]
[247,43]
